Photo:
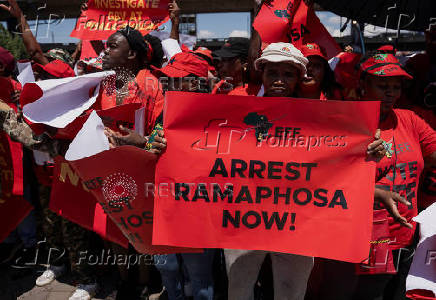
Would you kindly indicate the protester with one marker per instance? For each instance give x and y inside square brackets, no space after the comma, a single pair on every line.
[128,55]
[131,55]
[319,82]
[410,142]
[231,64]
[421,98]
[32,46]
[21,243]
[282,67]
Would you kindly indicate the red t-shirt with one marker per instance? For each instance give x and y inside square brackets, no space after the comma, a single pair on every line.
[427,188]
[145,89]
[411,140]
[246,90]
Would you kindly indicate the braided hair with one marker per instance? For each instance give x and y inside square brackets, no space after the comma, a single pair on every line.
[156,57]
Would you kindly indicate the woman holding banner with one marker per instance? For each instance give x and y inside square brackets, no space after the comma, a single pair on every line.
[130,55]
[410,144]
[282,67]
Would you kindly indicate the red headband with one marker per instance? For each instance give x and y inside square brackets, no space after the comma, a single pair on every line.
[149,52]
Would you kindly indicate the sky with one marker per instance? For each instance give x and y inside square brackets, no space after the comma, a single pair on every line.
[212,25]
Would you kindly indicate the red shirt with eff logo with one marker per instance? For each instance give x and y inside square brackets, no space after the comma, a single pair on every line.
[410,139]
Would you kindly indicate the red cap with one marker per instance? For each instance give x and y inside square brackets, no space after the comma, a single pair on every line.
[346,72]
[207,54]
[56,68]
[385,65]
[185,63]
[389,49]
[7,59]
[312,49]
[204,51]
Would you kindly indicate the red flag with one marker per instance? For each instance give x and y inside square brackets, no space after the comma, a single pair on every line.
[293,22]
[112,118]
[88,51]
[67,183]
[103,18]
[269,174]
[421,295]
[380,260]
[71,199]
[319,34]
[126,192]
[13,207]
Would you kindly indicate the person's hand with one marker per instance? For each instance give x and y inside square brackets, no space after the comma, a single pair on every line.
[79,47]
[111,137]
[15,96]
[13,8]
[84,6]
[348,49]
[389,200]
[131,138]
[174,11]
[76,55]
[376,149]
[4,107]
[159,143]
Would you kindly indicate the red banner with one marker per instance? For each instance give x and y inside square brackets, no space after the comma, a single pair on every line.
[71,199]
[125,189]
[380,260]
[276,174]
[104,17]
[13,207]
[293,22]
[88,51]
[81,206]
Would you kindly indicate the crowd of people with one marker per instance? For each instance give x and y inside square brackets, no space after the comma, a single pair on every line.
[145,69]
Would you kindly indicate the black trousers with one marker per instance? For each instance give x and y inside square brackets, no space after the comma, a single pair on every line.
[338,281]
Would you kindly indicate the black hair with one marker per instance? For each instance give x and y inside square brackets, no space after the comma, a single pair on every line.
[205,57]
[329,83]
[158,53]
[7,73]
[136,43]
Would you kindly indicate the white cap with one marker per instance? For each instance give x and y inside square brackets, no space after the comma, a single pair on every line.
[283,52]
